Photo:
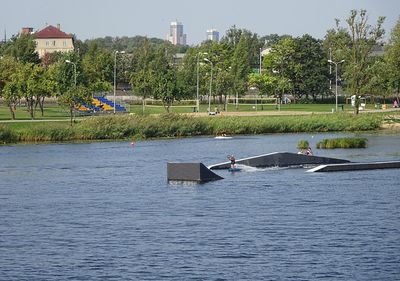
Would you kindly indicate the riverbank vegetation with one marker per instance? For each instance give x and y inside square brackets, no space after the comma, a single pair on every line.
[343,143]
[175,125]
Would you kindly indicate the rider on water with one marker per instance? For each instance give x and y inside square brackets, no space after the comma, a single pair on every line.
[233,160]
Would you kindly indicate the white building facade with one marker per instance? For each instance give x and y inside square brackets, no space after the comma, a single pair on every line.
[176,35]
[51,39]
[213,35]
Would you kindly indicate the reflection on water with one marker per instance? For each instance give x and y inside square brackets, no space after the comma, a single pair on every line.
[104,211]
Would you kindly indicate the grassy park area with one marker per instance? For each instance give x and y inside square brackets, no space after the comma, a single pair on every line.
[54,111]
[55,125]
[138,109]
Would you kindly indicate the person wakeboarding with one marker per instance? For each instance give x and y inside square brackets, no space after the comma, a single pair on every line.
[233,160]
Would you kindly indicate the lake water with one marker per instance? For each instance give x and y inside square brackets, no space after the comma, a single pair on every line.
[104,211]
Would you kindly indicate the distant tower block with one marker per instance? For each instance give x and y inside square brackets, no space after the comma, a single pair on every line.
[212,35]
[176,35]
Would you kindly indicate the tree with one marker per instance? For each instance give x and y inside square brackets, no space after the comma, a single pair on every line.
[240,67]
[74,97]
[165,78]
[61,79]
[22,48]
[311,70]
[281,64]
[264,82]
[336,43]
[363,38]
[141,77]
[392,57]
[378,81]
[30,84]
[48,89]
[9,68]
[272,39]
[98,68]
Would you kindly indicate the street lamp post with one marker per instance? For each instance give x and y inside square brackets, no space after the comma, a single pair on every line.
[74,64]
[115,73]
[197,86]
[70,62]
[211,78]
[336,71]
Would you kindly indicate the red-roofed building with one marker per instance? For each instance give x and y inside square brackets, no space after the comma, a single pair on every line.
[51,39]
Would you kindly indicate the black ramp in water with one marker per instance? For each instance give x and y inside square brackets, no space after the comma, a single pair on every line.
[197,172]
[281,159]
[356,166]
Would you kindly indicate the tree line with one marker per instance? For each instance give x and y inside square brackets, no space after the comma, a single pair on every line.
[293,65]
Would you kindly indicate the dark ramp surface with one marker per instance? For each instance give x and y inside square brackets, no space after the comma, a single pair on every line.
[190,172]
[280,159]
[356,166]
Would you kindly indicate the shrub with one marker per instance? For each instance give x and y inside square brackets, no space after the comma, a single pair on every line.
[7,135]
[303,144]
[343,143]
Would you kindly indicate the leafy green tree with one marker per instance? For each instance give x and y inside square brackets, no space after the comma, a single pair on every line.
[311,70]
[61,80]
[281,64]
[22,48]
[392,56]
[142,76]
[336,43]
[165,78]
[28,82]
[253,44]
[364,38]
[240,67]
[9,68]
[378,81]
[224,84]
[48,88]
[73,97]
[31,85]
[187,73]
[357,52]
[271,39]
[264,82]
[97,65]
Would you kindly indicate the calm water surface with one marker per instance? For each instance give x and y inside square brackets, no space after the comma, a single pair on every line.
[104,211]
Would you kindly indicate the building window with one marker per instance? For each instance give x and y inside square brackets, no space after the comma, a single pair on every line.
[54,43]
[47,43]
[65,43]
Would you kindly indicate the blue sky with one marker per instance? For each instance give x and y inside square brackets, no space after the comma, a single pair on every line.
[91,19]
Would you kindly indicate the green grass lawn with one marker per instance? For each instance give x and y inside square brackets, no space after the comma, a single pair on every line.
[245,108]
[53,111]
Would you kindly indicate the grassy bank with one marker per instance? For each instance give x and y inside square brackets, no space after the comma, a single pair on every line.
[174,125]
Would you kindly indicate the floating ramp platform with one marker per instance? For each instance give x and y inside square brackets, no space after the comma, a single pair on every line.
[198,172]
[280,159]
[194,172]
[356,166]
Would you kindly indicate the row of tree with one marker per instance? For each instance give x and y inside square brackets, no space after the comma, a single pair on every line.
[297,66]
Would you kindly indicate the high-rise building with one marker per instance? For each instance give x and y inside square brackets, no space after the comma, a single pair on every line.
[213,35]
[176,35]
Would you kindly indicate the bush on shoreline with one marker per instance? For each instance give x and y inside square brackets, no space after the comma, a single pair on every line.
[343,143]
[175,125]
